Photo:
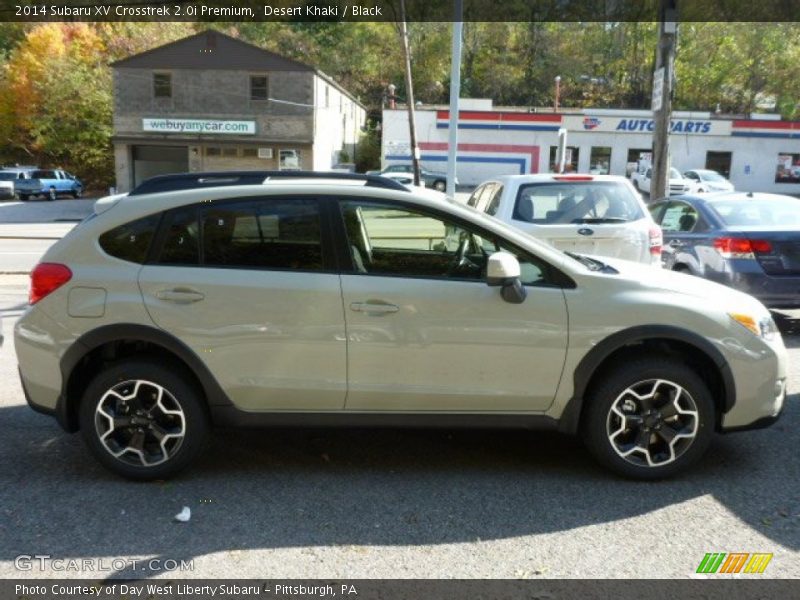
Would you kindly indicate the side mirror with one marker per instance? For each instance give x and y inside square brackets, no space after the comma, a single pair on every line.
[502,269]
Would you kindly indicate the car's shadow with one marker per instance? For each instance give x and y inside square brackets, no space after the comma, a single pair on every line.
[303,488]
[788,321]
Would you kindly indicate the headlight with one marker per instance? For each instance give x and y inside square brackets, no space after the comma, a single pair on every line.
[764,327]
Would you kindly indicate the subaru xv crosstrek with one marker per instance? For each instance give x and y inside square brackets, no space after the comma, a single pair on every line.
[267,299]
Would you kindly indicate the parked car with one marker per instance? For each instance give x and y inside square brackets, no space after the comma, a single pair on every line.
[7,185]
[49,183]
[433,179]
[707,180]
[747,241]
[257,299]
[592,214]
[678,184]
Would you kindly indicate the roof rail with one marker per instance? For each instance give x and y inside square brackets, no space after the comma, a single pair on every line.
[188,181]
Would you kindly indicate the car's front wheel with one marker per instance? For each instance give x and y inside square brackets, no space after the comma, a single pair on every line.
[440,185]
[142,420]
[649,419]
[51,194]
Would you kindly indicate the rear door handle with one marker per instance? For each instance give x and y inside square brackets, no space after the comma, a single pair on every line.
[676,243]
[180,296]
[375,308]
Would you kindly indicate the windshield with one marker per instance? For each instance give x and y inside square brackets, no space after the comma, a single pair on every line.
[758,212]
[675,174]
[576,202]
[710,176]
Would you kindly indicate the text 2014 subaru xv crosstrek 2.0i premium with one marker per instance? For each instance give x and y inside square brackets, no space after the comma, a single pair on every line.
[274,299]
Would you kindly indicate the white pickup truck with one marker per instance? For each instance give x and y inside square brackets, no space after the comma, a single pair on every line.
[678,184]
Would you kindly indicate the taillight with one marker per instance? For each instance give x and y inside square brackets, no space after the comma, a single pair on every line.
[46,278]
[656,240]
[730,247]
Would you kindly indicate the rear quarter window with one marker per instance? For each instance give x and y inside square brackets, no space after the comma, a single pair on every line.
[130,241]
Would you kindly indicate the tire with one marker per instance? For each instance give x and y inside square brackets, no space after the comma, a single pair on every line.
[143,451]
[682,269]
[23,197]
[636,186]
[439,185]
[51,195]
[76,193]
[640,428]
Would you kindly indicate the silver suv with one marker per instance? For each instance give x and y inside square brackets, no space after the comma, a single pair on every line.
[274,299]
[589,214]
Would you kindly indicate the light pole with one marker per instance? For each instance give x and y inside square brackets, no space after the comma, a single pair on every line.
[558,93]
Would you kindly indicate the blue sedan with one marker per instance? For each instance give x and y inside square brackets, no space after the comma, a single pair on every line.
[748,241]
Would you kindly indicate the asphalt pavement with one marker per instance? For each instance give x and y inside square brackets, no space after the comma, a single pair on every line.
[365,503]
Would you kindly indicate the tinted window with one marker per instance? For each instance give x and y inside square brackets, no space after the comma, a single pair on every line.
[272,234]
[473,199]
[181,238]
[132,240]
[576,202]
[494,202]
[388,240]
[8,176]
[43,175]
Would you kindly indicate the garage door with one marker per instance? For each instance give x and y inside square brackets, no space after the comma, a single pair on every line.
[158,160]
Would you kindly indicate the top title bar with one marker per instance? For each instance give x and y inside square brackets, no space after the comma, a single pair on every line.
[389,10]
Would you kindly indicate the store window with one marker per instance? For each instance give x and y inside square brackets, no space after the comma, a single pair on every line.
[230,152]
[637,156]
[571,162]
[600,160]
[258,87]
[162,85]
[719,162]
[250,152]
[788,168]
[213,151]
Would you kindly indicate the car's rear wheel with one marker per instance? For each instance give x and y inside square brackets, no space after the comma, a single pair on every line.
[143,421]
[649,419]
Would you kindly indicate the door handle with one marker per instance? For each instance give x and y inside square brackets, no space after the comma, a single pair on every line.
[676,244]
[180,296]
[375,308]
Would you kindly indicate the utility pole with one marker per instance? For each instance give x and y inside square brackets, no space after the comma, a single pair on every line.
[412,128]
[662,97]
[455,93]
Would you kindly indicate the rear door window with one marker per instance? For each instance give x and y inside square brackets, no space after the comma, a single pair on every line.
[680,217]
[269,234]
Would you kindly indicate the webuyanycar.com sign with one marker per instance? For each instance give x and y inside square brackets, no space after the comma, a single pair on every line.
[212,126]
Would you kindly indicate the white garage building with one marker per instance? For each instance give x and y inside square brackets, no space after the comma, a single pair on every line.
[761,153]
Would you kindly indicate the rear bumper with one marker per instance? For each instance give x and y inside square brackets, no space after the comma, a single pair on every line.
[773,292]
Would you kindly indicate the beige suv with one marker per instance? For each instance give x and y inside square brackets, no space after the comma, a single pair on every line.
[294,299]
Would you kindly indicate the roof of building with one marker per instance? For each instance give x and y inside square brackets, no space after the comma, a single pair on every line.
[211,50]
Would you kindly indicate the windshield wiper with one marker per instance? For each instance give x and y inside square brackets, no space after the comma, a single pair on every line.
[591,263]
[601,220]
